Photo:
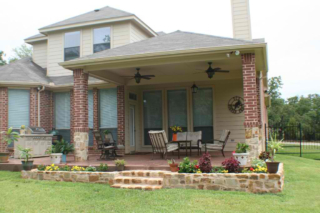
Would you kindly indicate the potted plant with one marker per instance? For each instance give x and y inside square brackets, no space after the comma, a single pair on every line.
[174,167]
[8,137]
[120,164]
[65,148]
[273,145]
[241,153]
[22,130]
[55,153]
[25,154]
[175,130]
[106,133]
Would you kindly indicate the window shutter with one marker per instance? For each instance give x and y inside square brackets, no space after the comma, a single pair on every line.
[108,108]
[90,108]
[62,110]
[19,108]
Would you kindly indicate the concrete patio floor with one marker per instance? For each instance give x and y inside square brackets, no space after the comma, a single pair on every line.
[134,161]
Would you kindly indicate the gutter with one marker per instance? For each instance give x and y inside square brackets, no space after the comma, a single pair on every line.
[39,91]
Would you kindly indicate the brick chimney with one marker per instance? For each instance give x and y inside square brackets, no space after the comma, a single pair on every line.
[241,19]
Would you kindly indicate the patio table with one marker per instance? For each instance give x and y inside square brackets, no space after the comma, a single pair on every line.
[186,142]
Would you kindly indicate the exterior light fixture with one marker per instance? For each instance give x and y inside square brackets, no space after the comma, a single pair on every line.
[194,88]
[237,53]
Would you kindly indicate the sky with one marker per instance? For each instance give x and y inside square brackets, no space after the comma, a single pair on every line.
[290,27]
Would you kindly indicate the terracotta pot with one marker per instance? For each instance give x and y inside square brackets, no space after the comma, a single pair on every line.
[174,137]
[4,157]
[120,167]
[27,165]
[272,167]
[174,167]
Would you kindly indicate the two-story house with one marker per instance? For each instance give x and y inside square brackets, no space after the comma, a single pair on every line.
[107,69]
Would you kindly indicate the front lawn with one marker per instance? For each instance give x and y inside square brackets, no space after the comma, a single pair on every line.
[301,194]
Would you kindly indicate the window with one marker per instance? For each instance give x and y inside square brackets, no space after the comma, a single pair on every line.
[152,113]
[203,113]
[101,39]
[62,110]
[177,110]
[90,108]
[19,108]
[71,45]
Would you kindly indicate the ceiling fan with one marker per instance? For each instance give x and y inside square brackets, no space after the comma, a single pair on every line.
[211,71]
[138,76]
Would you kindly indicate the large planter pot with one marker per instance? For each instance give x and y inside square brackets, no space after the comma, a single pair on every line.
[272,167]
[174,137]
[242,158]
[174,167]
[4,157]
[55,158]
[64,158]
[106,139]
[120,168]
[27,165]
[22,131]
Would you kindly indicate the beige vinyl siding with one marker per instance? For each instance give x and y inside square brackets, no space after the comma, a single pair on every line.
[120,34]
[136,34]
[87,41]
[224,119]
[241,19]
[39,55]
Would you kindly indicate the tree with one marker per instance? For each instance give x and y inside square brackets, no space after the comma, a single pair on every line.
[275,112]
[21,52]
[2,61]
[275,84]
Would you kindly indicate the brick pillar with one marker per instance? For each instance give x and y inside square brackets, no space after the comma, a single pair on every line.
[121,118]
[3,116]
[33,107]
[95,115]
[251,105]
[46,110]
[71,117]
[80,115]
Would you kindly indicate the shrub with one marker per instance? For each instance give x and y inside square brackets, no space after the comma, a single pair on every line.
[91,169]
[232,165]
[188,167]
[219,169]
[264,155]
[65,168]
[242,148]
[205,163]
[41,167]
[120,162]
[257,162]
[103,167]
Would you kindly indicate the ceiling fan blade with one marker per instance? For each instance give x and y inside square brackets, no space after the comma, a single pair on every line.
[149,76]
[222,71]
[144,77]
[217,68]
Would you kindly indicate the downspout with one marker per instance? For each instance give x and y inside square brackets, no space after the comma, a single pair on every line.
[39,91]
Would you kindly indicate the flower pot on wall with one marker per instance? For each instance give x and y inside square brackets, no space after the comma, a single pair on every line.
[4,157]
[55,158]
[120,167]
[27,165]
[174,167]
[242,158]
[272,167]
[174,137]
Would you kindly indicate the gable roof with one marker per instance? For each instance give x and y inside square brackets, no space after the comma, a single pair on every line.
[175,41]
[103,13]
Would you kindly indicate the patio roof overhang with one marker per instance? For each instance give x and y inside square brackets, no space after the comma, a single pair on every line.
[181,63]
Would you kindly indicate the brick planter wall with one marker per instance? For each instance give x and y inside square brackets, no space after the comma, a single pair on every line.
[247,182]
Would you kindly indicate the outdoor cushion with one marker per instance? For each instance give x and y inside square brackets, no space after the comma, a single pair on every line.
[182,136]
[172,147]
[194,137]
[214,146]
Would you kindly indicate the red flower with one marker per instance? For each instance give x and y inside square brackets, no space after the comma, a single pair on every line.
[197,167]
[251,169]
[233,152]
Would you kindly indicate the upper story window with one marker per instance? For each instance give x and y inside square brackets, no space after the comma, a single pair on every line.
[71,45]
[101,39]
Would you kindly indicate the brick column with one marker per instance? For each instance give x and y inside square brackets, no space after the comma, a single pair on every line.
[71,117]
[3,117]
[33,107]
[46,110]
[121,119]
[95,115]
[80,115]
[251,102]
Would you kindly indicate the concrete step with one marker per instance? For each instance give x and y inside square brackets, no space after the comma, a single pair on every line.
[143,173]
[136,186]
[138,180]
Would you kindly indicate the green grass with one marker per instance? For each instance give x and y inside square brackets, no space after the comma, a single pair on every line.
[301,194]
[311,152]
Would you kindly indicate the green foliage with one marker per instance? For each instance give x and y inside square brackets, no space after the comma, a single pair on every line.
[219,169]
[65,168]
[186,166]
[274,145]
[2,61]
[242,148]
[21,52]
[10,136]
[106,132]
[103,167]
[91,169]
[41,167]
[257,162]
[61,147]
[24,153]
[120,162]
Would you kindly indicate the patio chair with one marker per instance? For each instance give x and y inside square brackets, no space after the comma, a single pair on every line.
[220,144]
[108,150]
[194,137]
[159,143]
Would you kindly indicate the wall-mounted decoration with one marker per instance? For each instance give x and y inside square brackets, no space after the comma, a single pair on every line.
[236,105]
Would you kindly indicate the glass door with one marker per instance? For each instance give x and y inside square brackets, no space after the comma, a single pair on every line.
[177,110]
[203,112]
